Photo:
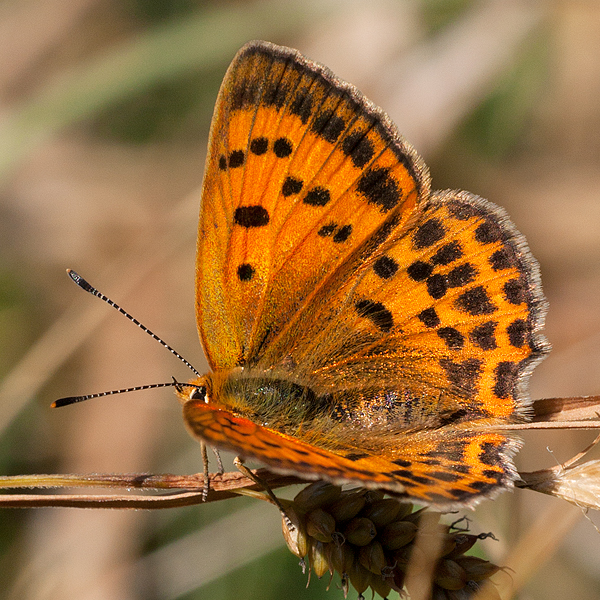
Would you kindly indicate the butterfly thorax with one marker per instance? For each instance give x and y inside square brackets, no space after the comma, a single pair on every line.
[267,399]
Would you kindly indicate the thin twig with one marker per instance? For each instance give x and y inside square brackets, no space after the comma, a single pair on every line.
[222,487]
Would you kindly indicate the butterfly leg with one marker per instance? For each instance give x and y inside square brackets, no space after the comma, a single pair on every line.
[220,467]
[242,468]
[206,487]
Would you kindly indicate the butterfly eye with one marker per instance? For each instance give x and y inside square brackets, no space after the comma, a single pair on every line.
[198,393]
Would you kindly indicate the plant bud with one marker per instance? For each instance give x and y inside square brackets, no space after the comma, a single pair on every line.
[464,542]
[341,556]
[374,495]
[380,586]
[359,577]
[448,544]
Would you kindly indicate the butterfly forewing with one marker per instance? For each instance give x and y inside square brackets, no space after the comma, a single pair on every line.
[301,171]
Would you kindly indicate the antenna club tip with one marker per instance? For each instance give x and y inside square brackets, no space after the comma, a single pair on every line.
[73,275]
[65,401]
[80,281]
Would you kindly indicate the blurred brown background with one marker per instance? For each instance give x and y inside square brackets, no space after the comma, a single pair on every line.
[104,111]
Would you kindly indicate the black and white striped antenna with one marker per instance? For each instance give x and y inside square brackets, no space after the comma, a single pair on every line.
[84,285]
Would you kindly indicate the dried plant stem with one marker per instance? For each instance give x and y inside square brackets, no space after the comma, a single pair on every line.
[227,485]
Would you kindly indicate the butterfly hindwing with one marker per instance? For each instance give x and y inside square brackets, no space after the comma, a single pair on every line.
[453,306]
[455,468]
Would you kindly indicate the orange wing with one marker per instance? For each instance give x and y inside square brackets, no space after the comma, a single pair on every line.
[302,171]
[452,470]
[324,264]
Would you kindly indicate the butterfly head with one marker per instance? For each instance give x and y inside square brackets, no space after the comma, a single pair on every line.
[196,390]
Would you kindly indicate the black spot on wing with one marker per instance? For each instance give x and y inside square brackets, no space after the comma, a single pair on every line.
[447,254]
[506,375]
[437,286]
[328,126]
[282,147]
[461,275]
[490,455]
[452,337]
[517,333]
[514,291]
[356,456]
[488,232]
[359,148]
[376,312]
[484,336]
[379,188]
[385,267]
[259,145]
[429,233]
[291,186]
[317,196]
[251,216]
[502,259]
[245,272]
[475,302]
[342,234]
[429,317]
[236,159]
[302,105]
[463,375]
[419,270]
[327,230]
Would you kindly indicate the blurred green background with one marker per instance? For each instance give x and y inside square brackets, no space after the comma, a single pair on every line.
[105,107]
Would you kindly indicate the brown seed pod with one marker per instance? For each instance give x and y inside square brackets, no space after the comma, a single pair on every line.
[341,555]
[450,575]
[397,534]
[296,539]
[372,557]
[318,558]
[320,525]
[360,531]
[347,506]
[382,512]
[463,543]
[380,585]
[477,569]
[359,577]
[317,494]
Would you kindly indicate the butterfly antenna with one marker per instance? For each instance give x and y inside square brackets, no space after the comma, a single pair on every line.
[150,386]
[84,285]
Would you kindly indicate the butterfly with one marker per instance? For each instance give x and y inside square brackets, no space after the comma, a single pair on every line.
[359,327]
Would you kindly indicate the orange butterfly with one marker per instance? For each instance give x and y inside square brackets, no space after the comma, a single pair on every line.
[360,329]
